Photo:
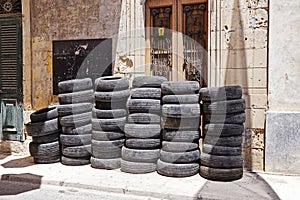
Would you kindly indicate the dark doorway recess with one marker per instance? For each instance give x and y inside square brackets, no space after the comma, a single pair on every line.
[91,58]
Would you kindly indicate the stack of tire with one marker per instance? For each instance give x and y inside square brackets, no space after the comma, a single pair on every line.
[45,131]
[143,129]
[179,155]
[109,119]
[76,99]
[224,115]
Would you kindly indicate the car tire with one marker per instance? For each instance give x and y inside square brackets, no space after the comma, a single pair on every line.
[137,167]
[148,81]
[177,170]
[111,83]
[75,85]
[113,163]
[180,87]
[44,114]
[143,131]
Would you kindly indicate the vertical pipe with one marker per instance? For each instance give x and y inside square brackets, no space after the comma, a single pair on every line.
[220,44]
[216,42]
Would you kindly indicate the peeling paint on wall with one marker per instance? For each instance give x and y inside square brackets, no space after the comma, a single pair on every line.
[65,20]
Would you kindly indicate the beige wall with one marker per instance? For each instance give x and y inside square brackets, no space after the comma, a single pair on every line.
[238,49]
[284,84]
[239,55]
[64,20]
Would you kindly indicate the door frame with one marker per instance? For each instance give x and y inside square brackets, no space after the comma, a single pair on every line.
[176,25]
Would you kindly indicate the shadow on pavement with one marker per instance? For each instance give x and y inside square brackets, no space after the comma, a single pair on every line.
[19,163]
[4,155]
[251,186]
[13,184]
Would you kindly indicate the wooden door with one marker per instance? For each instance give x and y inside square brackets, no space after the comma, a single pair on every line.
[178,39]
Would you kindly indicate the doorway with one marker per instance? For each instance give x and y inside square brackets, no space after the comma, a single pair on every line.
[178,39]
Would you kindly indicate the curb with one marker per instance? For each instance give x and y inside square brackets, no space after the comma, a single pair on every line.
[77,184]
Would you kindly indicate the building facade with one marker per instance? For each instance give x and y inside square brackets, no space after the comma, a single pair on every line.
[251,43]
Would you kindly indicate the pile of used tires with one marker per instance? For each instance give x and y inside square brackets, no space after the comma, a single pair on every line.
[179,156]
[153,127]
[224,115]
[76,98]
[45,130]
[143,129]
[109,118]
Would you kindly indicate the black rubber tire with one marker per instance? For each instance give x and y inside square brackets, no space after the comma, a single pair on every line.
[115,96]
[76,120]
[107,135]
[221,93]
[74,109]
[223,130]
[224,175]
[136,143]
[75,161]
[146,93]
[181,110]
[46,159]
[107,149]
[177,170]
[234,141]
[110,105]
[81,130]
[116,124]
[43,128]
[86,96]
[181,123]
[107,155]
[180,136]
[179,146]
[144,106]
[137,167]
[113,163]
[181,99]
[47,149]
[104,146]
[145,131]
[76,151]
[144,118]
[75,140]
[140,155]
[46,138]
[148,81]
[234,118]
[111,83]
[222,107]
[180,87]
[222,162]
[221,150]
[44,114]
[109,114]
[75,85]
[180,157]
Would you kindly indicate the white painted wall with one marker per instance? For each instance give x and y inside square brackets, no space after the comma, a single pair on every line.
[284,56]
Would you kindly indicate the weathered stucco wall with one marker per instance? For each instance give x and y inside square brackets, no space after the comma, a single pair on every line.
[284,84]
[65,20]
[283,117]
[239,55]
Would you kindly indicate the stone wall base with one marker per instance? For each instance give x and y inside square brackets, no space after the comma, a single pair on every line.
[253,149]
[282,143]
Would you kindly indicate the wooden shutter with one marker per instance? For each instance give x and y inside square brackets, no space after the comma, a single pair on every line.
[10,57]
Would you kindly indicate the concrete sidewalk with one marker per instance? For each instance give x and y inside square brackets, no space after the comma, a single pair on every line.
[152,185]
